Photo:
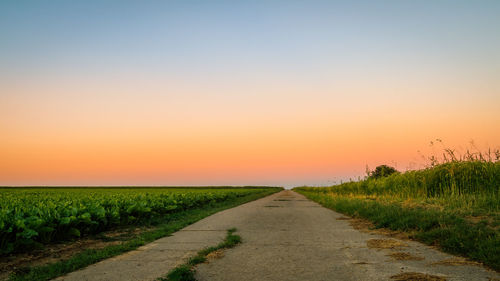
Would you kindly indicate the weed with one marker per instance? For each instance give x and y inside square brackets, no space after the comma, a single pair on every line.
[183,272]
[186,271]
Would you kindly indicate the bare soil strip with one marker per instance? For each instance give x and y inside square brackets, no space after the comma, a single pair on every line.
[61,251]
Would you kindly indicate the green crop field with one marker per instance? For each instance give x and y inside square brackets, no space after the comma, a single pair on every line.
[453,205]
[31,217]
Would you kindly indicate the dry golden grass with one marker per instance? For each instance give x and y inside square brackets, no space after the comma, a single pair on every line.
[343,218]
[402,256]
[215,255]
[385,244]
[455,261]
[415,276]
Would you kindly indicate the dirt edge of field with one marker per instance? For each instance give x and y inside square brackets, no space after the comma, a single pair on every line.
[62,251]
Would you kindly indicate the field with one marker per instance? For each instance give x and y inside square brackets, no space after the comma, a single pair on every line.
[453,205]
[32,217]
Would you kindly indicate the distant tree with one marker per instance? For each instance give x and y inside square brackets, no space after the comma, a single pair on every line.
[382,171]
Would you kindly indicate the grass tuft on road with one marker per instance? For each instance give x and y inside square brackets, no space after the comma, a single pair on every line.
[186,271]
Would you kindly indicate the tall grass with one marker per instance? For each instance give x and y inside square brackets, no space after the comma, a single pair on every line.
[455,178]
[453,203]
[446,229]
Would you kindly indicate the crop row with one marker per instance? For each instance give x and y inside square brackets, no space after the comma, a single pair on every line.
[33,217]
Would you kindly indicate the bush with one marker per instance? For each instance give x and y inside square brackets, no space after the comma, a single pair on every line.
[382,171]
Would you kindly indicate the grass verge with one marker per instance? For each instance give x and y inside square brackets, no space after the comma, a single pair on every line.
[173,223]
[186,271]
[449,231]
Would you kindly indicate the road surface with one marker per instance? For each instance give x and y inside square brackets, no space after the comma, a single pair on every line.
[285,237]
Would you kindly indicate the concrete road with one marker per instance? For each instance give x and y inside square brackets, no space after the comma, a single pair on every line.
[285,237]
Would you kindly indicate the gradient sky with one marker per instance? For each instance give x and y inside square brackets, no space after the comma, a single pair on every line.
[240,92]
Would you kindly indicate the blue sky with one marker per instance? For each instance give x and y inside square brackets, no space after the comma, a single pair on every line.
[239,35]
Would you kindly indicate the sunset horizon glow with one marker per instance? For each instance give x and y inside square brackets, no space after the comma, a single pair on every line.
[277,93]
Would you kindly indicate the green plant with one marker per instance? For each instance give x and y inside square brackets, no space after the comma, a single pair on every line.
[185,272]
[453,203]
[165,226]
[32,217]
[382,171]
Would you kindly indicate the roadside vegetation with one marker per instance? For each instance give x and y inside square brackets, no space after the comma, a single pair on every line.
[32,217]
[454,203]
[69,214]
[186,272]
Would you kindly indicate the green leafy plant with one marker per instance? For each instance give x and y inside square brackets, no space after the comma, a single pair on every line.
[30,218]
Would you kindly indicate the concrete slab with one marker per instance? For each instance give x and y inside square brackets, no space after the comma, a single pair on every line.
[152,260]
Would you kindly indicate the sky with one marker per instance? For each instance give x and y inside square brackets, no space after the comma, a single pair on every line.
[271,92]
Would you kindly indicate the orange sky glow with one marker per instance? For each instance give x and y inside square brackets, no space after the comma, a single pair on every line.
[300,97]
